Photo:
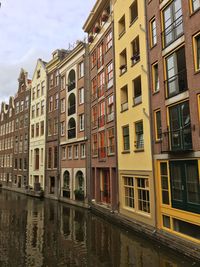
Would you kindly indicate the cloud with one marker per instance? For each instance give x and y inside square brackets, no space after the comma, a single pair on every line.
[33,29]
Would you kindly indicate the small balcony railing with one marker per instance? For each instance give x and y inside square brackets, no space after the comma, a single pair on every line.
[172,32]
[123,69]
[102,153]
[179,140]
[101,121]
[124,106]
[71,110]
[71,133]
[135,58]
[137,100]
[101,91]
[176,84]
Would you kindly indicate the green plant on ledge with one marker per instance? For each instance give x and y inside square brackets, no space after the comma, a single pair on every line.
[79,194]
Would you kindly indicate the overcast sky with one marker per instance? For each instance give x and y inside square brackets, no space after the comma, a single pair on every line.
[32,29]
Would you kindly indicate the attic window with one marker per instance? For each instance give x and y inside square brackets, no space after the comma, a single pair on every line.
[38,74]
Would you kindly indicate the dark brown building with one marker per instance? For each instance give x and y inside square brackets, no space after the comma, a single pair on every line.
[6,142]
[52,122]
[99,26]
[174,62]
[21,132]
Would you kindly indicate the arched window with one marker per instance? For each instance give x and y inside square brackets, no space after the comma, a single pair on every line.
[71,80]
[71,128]
[66,180]
[80,180]
[71,104]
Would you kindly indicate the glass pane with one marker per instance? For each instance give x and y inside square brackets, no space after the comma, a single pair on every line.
[192,183]
[176,179]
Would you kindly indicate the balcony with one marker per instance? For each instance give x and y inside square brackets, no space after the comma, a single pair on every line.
[71,110]
[137,100]
[101,91]
[102,153]
[101,121]
[135,58]
[110,117]
[177,140]
[172,32]
[176,84]
[123,69]
[124,106]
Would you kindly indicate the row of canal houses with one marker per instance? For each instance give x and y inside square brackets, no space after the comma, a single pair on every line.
[114,123]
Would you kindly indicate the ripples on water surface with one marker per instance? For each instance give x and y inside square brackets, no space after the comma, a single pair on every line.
[50,234]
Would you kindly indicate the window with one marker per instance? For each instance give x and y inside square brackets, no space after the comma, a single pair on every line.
[158,125]
[71,128]
[33,112]
[37,129]
[42,88]
[139,136]
[109,75]
[111,141]
[109,41]
[196,44]
[135,50]
[57,78]
[33,93]
[51,80]
[69,152]
[63,82]
[137,91]
[185,185]
[153,37]
[82,150]
[55,157]
[32,131]
[100,60]
[42,155]
[55,130]
[133,12]
[20,143]
[110,108]
[166,221]
[62,128]
[16,164]
[94,89]
[172,22]
[93,59]
[101,119]
[37,109]
[63,152]
[101,84]
[143,194]
[94,145]
[81,70]
[20,163]
[26,142]
[121,26]
[123,62]
[164,183]
[155,78]
[176,73]
[94,117]
[76,151]
[42,128]
[38,74]
[50,103]
[195,5]
[81,122]
[49,157]
[38,90]
[26,105]
[180,127]
[49,127]
[71,80]
[81,96]
[124,98]
[56,102]
[22,105]
[129,192]
[126,142]
[37,158]
[42,107]
[62,105]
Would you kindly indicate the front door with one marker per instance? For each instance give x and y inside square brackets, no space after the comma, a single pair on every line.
[106,186]
[185,185]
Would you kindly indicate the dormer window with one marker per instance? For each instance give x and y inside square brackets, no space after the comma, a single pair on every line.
[38,74]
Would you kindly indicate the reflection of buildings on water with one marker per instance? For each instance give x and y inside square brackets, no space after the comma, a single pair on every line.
[12,229]
[35,233]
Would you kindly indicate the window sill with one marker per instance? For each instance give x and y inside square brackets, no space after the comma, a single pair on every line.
[155,92]
[133,64]
[111,154]
[152,46]
[197,71]
[139,150]
[121,34]
[194,12]
[126,152]
[133,21]
[135,105]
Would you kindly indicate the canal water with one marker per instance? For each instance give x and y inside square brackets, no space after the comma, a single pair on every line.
[50,234]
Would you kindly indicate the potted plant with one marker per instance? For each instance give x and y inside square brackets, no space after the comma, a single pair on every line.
[104,16]
[97,27]
[90,38]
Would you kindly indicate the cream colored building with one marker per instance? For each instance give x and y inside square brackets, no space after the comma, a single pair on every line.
[37,127]
[136,187]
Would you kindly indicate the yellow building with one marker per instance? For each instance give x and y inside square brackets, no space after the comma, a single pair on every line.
[136,186]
